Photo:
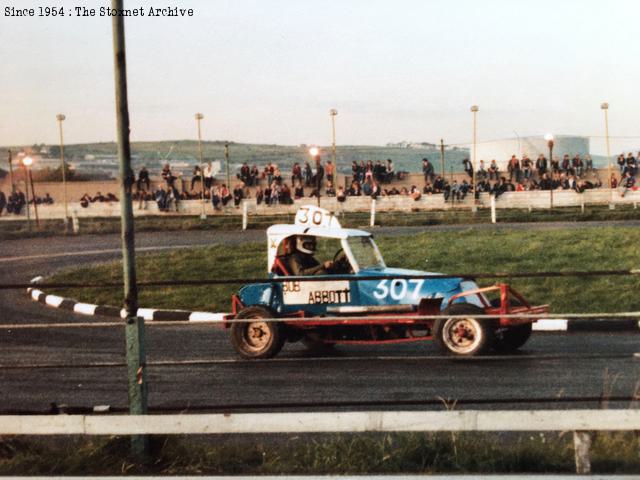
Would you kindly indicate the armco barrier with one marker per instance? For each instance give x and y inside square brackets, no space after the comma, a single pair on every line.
[536,199]
[581,422]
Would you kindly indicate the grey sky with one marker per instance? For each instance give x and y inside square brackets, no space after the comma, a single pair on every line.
[267,71]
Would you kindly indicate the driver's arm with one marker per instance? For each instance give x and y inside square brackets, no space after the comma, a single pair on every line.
[299,270]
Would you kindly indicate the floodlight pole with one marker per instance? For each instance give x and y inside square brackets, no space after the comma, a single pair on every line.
[442,157]
[226,159]
[60,118]
[13,185]
[199,117]
[134,327]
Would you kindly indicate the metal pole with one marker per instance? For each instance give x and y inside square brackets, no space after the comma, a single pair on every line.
[199,117]
[474,109]
[13,185]
[551,173]
[318,177]
[333,112]
[605,107]
[60,117]
[26,188]
[33,195]
[226,159]
[134,329]
[442,157]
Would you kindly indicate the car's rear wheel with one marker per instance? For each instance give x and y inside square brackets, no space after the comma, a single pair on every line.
[256,337]
[465,335]
[510,339]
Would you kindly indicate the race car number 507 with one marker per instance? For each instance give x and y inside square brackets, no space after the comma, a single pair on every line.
[398,288]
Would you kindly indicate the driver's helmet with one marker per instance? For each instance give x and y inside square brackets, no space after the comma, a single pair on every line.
[306,244]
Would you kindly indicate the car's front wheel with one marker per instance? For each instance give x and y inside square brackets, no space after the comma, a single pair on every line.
[256,336]
[464,334]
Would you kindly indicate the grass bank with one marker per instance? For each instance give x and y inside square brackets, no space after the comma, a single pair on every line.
[469,250]
[321,455]
[20,229]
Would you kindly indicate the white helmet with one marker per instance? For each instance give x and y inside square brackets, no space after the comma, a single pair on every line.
[306,244]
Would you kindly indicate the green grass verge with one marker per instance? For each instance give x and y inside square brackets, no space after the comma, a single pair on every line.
[469,250]
[321,454]
[20,229]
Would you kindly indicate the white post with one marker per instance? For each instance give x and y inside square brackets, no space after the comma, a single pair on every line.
[582,445]
[75,223]
[582,205]
[245,215]
[372,222]
[493,209]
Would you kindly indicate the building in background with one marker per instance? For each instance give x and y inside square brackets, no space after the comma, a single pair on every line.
[501,150]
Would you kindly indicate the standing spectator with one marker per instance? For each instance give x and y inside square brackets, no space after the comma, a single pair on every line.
[577,165]
[269,170]
[566,164]
[208,176]
[319,175]
[632,166]
[215,197]
[468,167]
[541,165]
[254,175]
[238,194]
[427,170]
[245,173]
[389,172]
[621,163]
[3,202]
[308,174]
[167,176]
[143,179]
[588,163]
[259,195]
[481,174]
[296,174]
[493,170]
[197,176]
[355,171]
[514,168]
[555,165]
[526,167]
[225,194]
[329,170]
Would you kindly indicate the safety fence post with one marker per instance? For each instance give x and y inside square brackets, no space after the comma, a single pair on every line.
[493,209]
[372,221]
[134,325]
[582,447]
[245,215]
[75,222]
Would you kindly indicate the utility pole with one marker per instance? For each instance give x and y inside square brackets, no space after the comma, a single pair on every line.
[442,157]
[13,185]
[199,117]
[226,159]
[61,118]
[134,327]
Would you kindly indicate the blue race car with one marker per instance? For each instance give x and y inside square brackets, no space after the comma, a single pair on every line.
[356,299]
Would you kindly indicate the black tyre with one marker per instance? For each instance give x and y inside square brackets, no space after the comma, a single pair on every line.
[315,344]
[510,339]
[256,338]
[466,336]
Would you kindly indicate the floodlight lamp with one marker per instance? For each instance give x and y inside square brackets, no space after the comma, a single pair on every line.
[314,151]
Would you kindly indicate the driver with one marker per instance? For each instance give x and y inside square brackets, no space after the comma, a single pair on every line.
[301,262]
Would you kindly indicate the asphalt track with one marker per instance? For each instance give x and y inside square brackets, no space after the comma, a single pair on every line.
[193,366]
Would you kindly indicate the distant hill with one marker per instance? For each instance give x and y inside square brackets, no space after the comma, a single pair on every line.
[407,157]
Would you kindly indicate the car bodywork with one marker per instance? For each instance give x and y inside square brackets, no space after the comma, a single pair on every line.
[369,302]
